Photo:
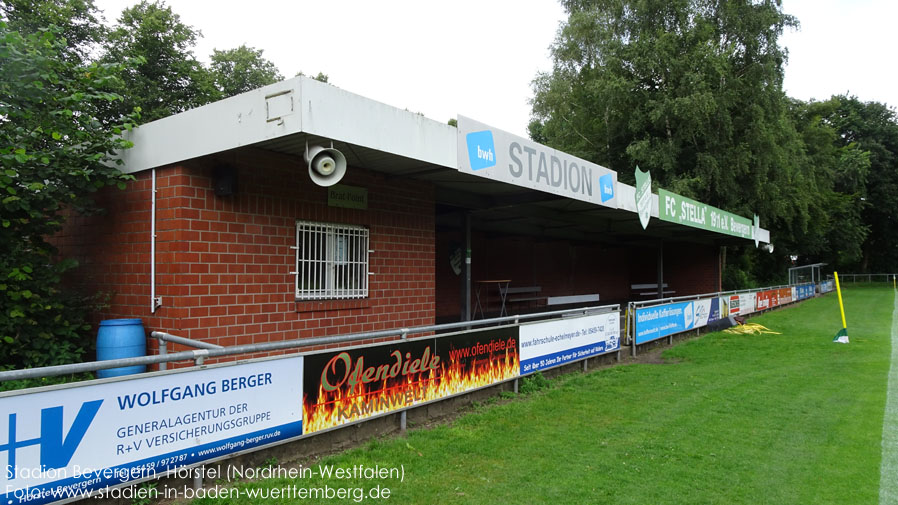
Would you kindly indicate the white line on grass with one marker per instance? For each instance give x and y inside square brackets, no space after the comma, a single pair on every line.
[888,473]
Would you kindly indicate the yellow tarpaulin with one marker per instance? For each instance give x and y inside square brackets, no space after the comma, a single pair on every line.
[751,329]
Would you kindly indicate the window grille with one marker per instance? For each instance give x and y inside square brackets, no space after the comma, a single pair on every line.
[331,261]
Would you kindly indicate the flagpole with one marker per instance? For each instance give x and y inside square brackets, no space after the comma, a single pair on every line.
[841,306]
[842,335]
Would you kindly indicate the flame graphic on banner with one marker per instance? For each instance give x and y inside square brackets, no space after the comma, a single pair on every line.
[346,404]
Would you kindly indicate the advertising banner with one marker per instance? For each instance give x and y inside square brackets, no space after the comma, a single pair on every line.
[660,321]
[827,286]
[742,304]
[494,154]
[784,296]
[350,384]
[681,210]
[551,343]
[766,299]
[804,291]
[773,298]
[702,310]
[60,444]
[720,308]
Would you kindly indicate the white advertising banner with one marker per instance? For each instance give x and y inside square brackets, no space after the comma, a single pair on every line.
[552,343]
[60,444]
[742,304]
[498,155]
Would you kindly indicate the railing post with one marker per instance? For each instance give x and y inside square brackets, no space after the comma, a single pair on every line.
[163,350]
[403,416]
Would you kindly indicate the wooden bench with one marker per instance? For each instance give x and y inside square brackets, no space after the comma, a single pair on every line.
[522,294]
[570,299]
[638,287]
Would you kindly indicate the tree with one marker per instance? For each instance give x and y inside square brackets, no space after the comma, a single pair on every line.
[321,77]
[690,90]
[168,78]
[841,170]
[873,128]
[78,22]
[55,154]
[242,69]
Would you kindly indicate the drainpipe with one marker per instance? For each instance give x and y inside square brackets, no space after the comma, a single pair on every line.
[153,304]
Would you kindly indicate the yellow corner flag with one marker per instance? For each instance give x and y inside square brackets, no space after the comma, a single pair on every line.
[842,335]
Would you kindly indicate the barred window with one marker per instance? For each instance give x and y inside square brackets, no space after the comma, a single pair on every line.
[331,261]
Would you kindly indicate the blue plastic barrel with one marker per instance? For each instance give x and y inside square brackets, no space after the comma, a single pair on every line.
[121,338]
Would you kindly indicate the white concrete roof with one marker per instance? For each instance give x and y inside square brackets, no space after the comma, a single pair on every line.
[296,109]
[298,105]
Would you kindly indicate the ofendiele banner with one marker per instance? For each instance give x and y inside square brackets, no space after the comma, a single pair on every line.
[347,385]
[351,384]
[60,444]
[659,321]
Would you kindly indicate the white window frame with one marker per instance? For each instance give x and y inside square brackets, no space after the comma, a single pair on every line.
[331,261]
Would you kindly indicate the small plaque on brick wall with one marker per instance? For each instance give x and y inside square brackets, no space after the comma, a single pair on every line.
[349,197]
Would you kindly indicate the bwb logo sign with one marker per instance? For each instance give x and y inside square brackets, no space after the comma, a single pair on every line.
[56,447]
[606,183]
[481,150]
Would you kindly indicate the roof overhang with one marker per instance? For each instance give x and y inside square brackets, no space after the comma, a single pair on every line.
[287,116]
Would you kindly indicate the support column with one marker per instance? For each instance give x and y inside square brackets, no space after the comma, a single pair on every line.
[661,269]
[467,275]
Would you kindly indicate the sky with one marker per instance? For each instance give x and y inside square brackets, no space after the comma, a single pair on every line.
[477,58]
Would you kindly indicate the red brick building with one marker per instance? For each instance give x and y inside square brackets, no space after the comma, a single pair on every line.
[237,244]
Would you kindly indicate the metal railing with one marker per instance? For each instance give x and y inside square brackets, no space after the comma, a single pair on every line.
[866,278]
[206,350]
[634,305]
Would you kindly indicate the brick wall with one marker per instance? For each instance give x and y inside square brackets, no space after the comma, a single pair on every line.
[223,263]
[692,269]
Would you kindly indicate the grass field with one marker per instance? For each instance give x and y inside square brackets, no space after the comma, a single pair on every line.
[790,418]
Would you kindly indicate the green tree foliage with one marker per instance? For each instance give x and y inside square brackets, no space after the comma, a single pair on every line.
[689,89]
[872,128]
[168,78]
[692,91]
[841,170]
[78,22]
[54,155]
[242,69]
[321,77]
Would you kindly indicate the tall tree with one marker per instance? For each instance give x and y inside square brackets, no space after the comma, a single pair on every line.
[873,128]
[692,91]
[168,78]
[841,170]
[77,21]
[54,154]
[242,69]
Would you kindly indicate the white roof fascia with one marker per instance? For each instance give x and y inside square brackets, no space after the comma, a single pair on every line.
[298,105]
[303,105]
[626,199]
[330,112]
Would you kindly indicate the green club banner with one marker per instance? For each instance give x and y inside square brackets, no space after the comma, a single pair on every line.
[643,197]
[681,210]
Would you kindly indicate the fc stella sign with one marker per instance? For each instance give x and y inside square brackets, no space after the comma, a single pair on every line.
[498,155]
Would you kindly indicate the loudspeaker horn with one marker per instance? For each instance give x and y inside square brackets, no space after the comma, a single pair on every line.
[326,165]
